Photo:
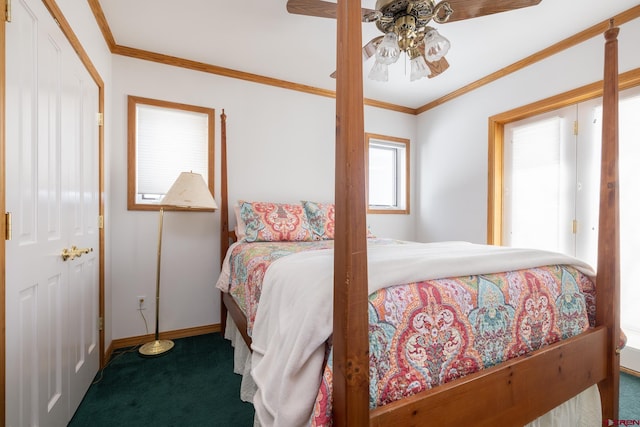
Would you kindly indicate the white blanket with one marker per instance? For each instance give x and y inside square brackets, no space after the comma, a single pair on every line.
[294,317]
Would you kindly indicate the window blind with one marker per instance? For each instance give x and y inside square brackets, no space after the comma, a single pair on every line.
[536,184]
[168,141]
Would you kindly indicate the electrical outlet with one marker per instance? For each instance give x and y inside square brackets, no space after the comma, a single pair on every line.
[142,302]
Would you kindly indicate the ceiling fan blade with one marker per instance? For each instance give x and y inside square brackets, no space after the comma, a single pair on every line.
[319,8]
[437,67]
[369,49]
[466,9]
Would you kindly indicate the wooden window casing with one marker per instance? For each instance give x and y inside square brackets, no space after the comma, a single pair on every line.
[132,163]
[496,141]
[402,175]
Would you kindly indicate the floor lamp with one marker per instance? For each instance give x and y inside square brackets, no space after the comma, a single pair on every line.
[189,191]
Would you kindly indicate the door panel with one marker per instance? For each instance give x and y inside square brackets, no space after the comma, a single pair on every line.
[35,282]
[80,172]
[83,342]
[588,180]
[539,169]
[629,225]
[52,350]
[586,193]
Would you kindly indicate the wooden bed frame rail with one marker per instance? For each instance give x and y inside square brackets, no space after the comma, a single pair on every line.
[501,395]
[512,393]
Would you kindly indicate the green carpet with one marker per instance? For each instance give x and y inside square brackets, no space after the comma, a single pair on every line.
[194,386]
[629,397]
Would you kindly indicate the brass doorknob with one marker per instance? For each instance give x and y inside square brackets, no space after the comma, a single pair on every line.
[81,251]
[74,252]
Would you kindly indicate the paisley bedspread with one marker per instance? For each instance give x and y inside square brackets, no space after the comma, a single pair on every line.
[428,333]
[249,262]
[422,333]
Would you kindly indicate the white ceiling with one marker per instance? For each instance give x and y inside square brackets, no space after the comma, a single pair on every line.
[261,37]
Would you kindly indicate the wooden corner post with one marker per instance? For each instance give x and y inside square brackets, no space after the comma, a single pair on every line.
[608,276]
[224,210]
[350,318]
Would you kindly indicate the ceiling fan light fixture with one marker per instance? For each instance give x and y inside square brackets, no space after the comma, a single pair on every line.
[379,72]
[435,45]
[372,16]
[388,51]
[408,21]
[442,12]
[419,68]
[406,30]
[404,25]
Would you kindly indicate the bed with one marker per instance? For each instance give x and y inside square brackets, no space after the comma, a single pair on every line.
[446,316]
[513,392]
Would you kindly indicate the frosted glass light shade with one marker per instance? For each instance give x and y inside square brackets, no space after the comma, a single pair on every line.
[435,46]
[419,68]
[379,72]
[189,191]
[388,50]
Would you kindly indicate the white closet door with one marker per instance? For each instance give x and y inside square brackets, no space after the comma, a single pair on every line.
[51,304]
[80,207]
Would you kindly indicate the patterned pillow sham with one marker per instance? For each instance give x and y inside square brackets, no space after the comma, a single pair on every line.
[274,222]
[240,226]
[322,219]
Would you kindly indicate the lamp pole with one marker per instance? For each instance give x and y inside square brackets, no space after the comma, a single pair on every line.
[157,347]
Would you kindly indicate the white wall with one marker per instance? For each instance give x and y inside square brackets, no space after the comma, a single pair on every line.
[280,148]
[453,138]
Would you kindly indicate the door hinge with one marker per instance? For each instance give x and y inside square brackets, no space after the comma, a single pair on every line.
[574,226]
[100,119]
[575,127]
[7,226]
[7,11]
[100,323]
[100,221]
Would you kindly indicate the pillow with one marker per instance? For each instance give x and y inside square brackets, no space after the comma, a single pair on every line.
[240,225]
[370,234]
[274,222]
[322,219]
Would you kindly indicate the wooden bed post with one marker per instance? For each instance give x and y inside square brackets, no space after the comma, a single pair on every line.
[224,210]
[608,275]
[350,317]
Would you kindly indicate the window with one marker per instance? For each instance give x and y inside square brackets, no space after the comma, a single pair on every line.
[166,138]
[387,174]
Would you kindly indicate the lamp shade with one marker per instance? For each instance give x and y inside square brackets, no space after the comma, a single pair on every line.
[189,191]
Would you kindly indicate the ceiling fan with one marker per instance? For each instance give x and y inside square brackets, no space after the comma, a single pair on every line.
[404,24]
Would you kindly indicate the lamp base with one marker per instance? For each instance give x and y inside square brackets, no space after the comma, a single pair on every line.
[156,348]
